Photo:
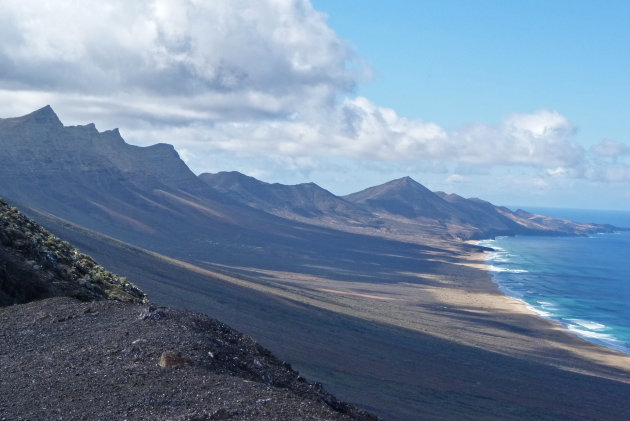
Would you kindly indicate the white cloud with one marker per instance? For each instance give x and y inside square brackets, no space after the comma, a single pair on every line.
[224,58]
[359,129]
[556,171]
[610,149]
[454,178]
[243,79]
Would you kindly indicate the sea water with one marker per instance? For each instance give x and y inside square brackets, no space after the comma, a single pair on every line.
[581,282]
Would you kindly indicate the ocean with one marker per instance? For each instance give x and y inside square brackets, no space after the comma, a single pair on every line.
[581,282]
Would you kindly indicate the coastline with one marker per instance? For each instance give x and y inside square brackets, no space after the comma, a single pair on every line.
[588,325]
[427,330]
[456,299]
[552,334]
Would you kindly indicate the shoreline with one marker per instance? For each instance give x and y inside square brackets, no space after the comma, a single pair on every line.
[591,337]
[553,333]
[446,343]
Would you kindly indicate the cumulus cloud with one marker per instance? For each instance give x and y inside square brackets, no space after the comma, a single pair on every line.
[358,128]
[209,59]
[251,78]
[610,149]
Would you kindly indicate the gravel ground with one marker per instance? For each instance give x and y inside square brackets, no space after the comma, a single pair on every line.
[62,359]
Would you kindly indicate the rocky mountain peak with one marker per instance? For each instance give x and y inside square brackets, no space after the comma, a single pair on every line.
[44,116]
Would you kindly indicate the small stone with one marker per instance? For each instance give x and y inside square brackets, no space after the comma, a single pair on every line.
[172,359]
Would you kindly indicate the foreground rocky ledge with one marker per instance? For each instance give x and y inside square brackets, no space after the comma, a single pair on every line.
[63,359]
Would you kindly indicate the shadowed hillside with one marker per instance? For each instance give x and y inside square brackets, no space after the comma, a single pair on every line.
[318,278]
[59,351]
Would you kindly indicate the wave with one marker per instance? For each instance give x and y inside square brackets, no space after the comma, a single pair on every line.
[577,282]
[493,268]
[605,339]
[588,324]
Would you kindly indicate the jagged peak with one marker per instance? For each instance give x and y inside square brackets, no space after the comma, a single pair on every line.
[90,128]
[45,115]
[113,135]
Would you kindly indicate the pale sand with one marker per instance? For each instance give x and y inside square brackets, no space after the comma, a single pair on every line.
[467,307]
[546,337]
[461,304]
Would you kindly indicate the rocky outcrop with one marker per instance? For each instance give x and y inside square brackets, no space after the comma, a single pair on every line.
[34,264]
[38,148]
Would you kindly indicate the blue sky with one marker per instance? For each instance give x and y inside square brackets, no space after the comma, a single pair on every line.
[520,103]
[456,62]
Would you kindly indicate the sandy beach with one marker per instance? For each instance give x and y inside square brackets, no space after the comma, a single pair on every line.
[465,306]
[403,330]
[460,313]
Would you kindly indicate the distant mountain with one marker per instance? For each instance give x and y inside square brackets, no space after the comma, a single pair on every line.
[301,201]
[143,195]
[405,197]
[39,146]
[400,209]
[489,219]
[148,196]
[494,220]
[462,218]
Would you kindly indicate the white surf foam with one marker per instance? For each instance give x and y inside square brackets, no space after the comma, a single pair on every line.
[493,268]
[594,335]
[588,324]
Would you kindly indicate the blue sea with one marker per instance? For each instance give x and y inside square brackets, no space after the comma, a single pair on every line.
[581,282]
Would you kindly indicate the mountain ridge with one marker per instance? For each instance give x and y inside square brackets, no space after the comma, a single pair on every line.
[306,200]
[309,284]
[92,170]
[391,209]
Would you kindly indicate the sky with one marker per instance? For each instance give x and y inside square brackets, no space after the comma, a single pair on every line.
[519,103]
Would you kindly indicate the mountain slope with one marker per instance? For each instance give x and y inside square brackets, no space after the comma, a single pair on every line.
[301,201]
[144,195]
[34,265]
[450,214]
[115,360]
[405,197]
[393,371]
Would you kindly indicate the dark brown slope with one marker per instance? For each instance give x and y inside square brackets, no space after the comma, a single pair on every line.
[64,359]
[401,373]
